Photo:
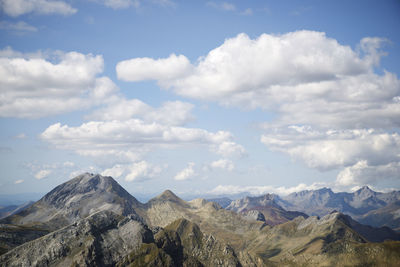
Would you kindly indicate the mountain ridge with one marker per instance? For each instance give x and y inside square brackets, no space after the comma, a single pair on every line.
[173,232]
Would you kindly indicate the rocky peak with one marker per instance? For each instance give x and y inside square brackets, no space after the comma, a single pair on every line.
[78,198]
[87,184]
[168,195]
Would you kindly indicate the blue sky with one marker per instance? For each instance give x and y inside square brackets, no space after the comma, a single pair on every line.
[200,97]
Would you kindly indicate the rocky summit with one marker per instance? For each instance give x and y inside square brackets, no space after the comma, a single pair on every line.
[92,221]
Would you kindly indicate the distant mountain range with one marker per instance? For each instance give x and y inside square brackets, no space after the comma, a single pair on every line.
[365,205]
[92,221]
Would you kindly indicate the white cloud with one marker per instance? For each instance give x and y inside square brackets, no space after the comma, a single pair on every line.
[68,164]
[42,174]
[137,171]
[142,170]
[230,149]
[304,76]
[19,181]
[170,113]
[38,85]
[20,26]
[127,141]
[90,169]
[17,8]
[362,173]
[331,149]
[333,106]
[223,164]
[115,171]
[164,70]
[186,173]
[261,190]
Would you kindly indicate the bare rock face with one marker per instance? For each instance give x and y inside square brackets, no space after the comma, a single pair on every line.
[266,205]
[254,215]
[76,199]
[206,249]
[14,235]
[101,239]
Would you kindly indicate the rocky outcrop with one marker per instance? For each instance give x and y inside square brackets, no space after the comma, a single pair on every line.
[101,239]
[254,215]
[266,205]
[74,200]
[174,232]
[12,236]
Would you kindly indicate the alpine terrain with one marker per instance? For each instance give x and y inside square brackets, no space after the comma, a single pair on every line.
[92,221]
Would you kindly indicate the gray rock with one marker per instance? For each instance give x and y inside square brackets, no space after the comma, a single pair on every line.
[101,239]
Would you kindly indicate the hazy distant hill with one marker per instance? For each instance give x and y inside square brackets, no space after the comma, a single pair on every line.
[364,205]
[272,213]
[92,221]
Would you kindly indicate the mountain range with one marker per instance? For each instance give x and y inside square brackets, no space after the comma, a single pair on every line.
[92,221]
[365,205]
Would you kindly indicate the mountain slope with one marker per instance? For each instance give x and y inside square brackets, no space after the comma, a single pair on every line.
[386,216]
[76,199]
[10,210]
[357,204]
[320,242]
[266,205]
[174,232]
[101,239]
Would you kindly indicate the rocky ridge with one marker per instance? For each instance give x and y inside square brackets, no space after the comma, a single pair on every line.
[168,231]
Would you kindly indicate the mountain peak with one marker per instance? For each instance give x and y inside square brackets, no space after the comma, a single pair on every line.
[168,195]
[78,198]
[365,191]
[365,188]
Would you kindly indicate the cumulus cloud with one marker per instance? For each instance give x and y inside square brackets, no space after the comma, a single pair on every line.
[164,70]
[304,76]
[39,85]
[261,190]
[137,171]
[19,27]
[42,174]
[331,149]
[367,156]
[128,140]
[363,173]
[17,8]
[333,109]
[223,164]
[169,113]
[186,173]
[230,149]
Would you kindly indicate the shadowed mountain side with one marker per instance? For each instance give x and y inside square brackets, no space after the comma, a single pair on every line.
[387,216]
[10,210]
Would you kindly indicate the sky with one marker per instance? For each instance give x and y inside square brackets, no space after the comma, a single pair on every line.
[200,97]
